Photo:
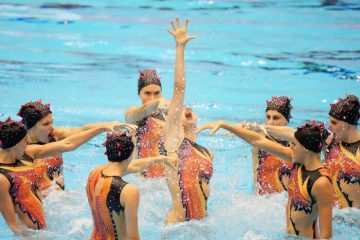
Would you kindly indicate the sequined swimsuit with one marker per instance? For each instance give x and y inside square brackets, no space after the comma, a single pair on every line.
[105,207]
[24,190]
[300,198]
[196,168]
[343,161]
[271,170]
[149,136]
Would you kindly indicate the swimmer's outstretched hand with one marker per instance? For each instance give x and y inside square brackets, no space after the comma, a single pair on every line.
[180,33]
[214,127]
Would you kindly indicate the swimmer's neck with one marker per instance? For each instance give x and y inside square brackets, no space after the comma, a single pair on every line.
[32,137]
[190,134]
[312,161]
[116,168]
[7,157]
[352,135]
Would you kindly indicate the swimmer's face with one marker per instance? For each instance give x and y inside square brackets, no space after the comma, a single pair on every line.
[150,92]
[188,117]
[274,118]
[43,129]
[20,147]
[298,151]
[338,127]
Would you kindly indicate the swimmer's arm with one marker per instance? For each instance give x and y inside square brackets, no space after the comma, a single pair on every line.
[252,138]
[323,193]
[260,141]
[130,199]
[62,133]
[68,144]
[173,130]
[143,163]
[7,207]
[135,114]
[281,132]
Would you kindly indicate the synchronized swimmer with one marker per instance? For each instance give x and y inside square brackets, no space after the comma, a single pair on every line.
[159,140]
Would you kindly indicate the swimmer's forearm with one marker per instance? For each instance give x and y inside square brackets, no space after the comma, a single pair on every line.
[281,132]
[142,163]
[65,145]
[258,140]
[135,114]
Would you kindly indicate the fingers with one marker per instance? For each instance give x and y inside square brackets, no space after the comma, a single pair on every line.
[186,24]
[173,25]
[172,33]
[177,22]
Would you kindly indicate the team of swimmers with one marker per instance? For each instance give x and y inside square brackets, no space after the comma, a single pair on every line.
[159,140]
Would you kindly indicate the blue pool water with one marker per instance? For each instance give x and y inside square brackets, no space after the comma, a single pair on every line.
[83,58]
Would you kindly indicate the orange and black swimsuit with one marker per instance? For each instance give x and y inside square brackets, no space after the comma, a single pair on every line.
[52,165]
[24,190]
[149,136]
[196,167]
[106,206]
[343,161]
[299,189]
[271,170]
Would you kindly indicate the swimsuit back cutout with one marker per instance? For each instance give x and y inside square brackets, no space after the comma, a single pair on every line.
[196,168]
[299,189]
[24,190]
[105,207]
[149,136]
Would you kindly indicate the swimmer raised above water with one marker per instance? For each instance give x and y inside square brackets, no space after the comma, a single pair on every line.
[150,119]
[309,187]
[189,183]
[38,120]
[113,201]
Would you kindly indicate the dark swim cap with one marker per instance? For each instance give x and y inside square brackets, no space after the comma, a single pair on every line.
[148,77]
[281,104]
[119,146]
[312,136]
[11,133]
[32,112]
[346,110]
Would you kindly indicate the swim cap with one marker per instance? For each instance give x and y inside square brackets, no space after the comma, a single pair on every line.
[32,112]
[281,104]
[346,110]
[119,146]
[312,136]
[148,77]
[11,133]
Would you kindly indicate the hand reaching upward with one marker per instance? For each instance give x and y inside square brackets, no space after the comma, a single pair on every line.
[180,33]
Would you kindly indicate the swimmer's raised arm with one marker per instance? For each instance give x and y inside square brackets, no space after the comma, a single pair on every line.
[173,130]
[250,137]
